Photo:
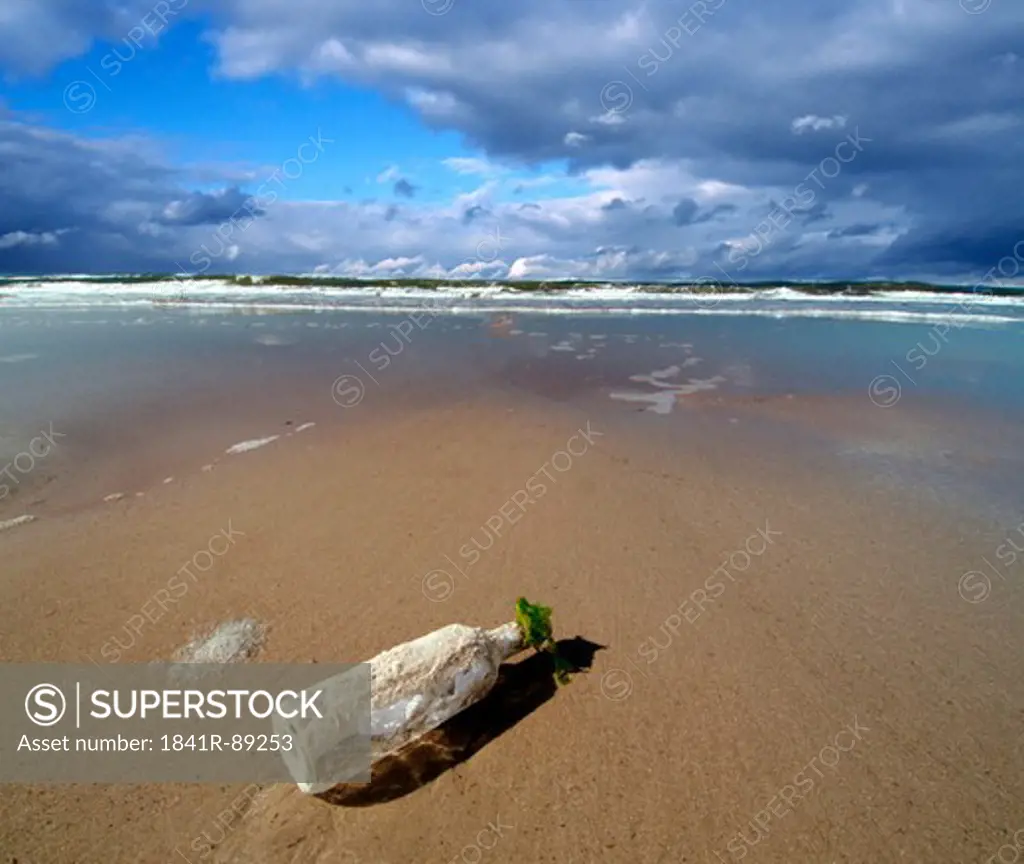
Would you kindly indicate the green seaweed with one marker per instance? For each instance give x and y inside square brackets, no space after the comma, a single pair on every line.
[534,621]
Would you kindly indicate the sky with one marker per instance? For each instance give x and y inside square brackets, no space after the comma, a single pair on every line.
[536,139]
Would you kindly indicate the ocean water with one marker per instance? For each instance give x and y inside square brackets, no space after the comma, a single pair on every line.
[933,385]
[962,308]
[955,342]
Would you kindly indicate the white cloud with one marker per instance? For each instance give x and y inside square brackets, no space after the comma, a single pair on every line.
[468,165]
[26,238]
[479,197]
[332,56]
[406,59]
[620,224]
[438,104]
[814,123]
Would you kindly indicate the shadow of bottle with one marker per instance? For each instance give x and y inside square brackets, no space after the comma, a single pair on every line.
[520,690]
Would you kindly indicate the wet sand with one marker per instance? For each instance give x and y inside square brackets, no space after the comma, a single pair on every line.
[691,731]
[784,664]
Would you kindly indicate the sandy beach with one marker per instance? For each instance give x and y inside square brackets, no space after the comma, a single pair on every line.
[782,662]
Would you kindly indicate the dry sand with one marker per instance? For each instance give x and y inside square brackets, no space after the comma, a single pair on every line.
[681,735]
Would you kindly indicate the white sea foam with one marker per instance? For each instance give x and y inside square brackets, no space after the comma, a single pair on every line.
[670,372]
[886,316]
[252,444]
[211,296]
[16,521]
[661,403]
[658,376]
[664,399]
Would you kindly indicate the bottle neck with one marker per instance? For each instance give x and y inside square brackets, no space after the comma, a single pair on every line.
[507,638]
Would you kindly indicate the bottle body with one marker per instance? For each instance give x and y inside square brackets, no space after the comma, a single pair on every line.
[415,687]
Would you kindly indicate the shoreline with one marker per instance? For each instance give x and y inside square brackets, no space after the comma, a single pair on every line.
[695,285]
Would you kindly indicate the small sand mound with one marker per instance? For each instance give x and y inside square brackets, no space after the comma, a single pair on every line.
[230,642]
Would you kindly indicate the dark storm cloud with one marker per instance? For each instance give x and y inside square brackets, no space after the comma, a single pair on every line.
[718,210]
[202,208]
[473,213]
[36,35]
[818,212]
[688,212]
[685,211]
[987,246]
[97,193]
[404,188]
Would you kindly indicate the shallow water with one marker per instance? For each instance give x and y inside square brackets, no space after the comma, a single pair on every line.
[160,389]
